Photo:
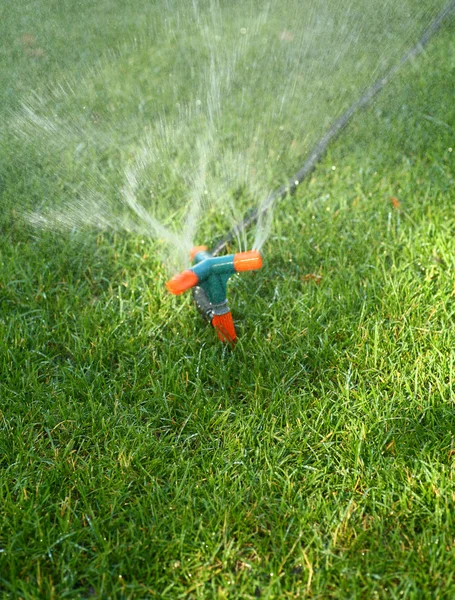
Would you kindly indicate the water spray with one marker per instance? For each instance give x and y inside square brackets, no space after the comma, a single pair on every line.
[208,279]
[319,150]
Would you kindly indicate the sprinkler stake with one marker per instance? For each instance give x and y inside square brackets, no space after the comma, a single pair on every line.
[208,277]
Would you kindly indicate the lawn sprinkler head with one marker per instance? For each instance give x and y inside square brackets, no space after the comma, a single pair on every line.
[208,278]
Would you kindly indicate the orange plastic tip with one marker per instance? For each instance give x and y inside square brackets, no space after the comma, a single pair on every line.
[247,261]
[225,328]
[197,249]
[182,282]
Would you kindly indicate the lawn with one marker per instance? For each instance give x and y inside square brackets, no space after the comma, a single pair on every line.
[141,458]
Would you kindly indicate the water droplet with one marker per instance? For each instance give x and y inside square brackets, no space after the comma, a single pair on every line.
[243,31]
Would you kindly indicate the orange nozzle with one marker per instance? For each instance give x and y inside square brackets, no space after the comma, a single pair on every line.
[197,249]
[225,328]
[182,282]
[247,261]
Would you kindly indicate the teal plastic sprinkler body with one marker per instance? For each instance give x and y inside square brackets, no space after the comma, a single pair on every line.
[208,277]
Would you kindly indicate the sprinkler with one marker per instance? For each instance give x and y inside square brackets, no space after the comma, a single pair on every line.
[210,273]
[208,278]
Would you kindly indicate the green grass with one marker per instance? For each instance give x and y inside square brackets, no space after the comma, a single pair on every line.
[139,458]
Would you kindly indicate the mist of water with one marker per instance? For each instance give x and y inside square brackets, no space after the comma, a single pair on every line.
[176,134]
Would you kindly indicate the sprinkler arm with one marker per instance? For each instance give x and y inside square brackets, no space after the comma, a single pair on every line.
[209,276]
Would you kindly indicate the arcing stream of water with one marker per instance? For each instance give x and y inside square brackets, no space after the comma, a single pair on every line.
[175,135]
[256,214]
